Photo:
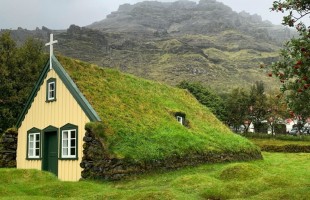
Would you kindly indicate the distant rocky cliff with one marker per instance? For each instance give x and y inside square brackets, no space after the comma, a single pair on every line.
[187,17]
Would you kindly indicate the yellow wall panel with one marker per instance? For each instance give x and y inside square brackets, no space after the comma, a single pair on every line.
[57,113]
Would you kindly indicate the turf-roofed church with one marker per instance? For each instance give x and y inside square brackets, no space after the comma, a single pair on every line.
[85,121]
[52,124]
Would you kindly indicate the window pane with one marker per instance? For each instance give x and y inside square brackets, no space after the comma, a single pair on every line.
[30,152]
[37,137]
[37,152]
[31,138]
[72,134]
[37,145]
[65,151]
[31,145]
[72,152]
[51,94]
[65,135]
[65,143]
[72,143]
[52,86]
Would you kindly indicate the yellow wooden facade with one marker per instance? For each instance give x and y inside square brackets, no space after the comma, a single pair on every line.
[42,114]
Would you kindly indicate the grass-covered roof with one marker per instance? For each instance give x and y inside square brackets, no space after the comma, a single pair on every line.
[139,116]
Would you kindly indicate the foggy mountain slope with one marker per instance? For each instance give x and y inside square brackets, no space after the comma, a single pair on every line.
[172,42]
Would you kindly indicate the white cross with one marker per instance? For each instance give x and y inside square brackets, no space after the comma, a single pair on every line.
[51,48]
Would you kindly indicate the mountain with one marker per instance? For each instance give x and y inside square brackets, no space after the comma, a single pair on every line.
[185,17]
[176,41]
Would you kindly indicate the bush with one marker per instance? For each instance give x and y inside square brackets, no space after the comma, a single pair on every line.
[277,136]
[286,148]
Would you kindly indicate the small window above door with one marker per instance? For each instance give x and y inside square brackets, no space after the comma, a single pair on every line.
[51,90]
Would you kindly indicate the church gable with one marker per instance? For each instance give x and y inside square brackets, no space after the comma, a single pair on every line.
[49,84]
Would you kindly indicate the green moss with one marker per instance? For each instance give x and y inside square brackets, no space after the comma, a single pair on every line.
[98,128]
[138,121]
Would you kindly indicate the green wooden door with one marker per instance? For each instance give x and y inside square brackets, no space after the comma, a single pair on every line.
[50,154]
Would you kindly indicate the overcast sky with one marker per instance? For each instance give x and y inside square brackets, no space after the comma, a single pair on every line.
[60,14]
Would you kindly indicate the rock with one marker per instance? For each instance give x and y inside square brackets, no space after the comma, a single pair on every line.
[8,146]
[87,139]
[73,29]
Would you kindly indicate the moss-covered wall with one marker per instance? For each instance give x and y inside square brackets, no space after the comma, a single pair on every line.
[8,146]
[97,163]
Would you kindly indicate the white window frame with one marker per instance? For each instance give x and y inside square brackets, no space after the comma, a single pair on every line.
[68,144]
[32,149]
[49,96]
[180,119]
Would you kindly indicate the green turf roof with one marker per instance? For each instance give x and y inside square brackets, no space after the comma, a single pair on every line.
[139,116]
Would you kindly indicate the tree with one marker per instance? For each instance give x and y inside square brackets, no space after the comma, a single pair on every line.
[292,69]
[277,112]
[237,104]
[277,108]
[252,106]
[7,61]
[258,105]
[19,70]
[206,97]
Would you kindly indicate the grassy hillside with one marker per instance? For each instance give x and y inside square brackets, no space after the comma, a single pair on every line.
[278,176]
[139,117]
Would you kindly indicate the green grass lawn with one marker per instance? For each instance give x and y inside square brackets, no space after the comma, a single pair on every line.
[278,176]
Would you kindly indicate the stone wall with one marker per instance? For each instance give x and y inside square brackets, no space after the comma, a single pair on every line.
[8,146]
[97,164]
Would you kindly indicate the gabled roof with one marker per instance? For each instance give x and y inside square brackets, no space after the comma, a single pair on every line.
[69,83]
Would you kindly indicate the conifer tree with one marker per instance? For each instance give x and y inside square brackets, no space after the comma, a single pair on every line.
[19,70]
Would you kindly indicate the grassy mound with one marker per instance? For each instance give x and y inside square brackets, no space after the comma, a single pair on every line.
[139,120]
[241,171]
